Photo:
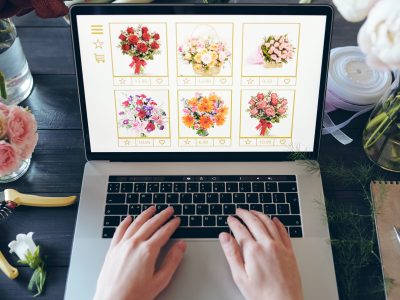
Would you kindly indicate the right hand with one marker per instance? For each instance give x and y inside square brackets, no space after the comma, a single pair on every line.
[261,258]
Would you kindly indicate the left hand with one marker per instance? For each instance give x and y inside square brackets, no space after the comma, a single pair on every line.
[129,270]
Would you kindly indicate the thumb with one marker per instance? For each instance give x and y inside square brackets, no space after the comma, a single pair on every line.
[170,264]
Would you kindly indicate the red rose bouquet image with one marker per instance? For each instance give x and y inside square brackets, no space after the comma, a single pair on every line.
[18,137]
[268,108]
[142,115]
[201,113]
[140,44]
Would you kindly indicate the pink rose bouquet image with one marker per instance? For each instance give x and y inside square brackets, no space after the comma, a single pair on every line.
[275,51]
[206,56]
[142,115]
[18,137]
[140,44]
[268,108]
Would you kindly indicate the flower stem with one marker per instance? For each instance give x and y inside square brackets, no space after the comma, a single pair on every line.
[3,91]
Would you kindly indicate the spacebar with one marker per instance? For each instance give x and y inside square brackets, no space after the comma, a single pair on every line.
[199,232]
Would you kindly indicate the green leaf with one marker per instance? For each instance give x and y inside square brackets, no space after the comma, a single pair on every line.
[3,91]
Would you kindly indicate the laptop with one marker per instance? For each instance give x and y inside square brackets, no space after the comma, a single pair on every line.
[204,108]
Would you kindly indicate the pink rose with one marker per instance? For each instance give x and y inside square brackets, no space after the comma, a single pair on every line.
[270,112]
[284,102]
[4,109]
[252,102]
[281,110]
[3,125]
[270,51]
[125,103]
[274,102]
[9,159]
[27,150]
[21,126]
[262,105]
[260,96]
[276,45]
[274,57]
[254,111]
[274,96]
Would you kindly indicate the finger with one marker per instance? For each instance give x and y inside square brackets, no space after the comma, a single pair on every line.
[121,230]
[240,232]
[139,221]
[152,225]
[233,255]
[253,223]
[283,233]
[170,264]
[161,237]
[271,228]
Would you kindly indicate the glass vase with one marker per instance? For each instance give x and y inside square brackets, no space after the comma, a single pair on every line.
[16,80]
[13,176]
[381,136]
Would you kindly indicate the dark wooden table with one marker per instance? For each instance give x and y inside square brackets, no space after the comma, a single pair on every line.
[58,161]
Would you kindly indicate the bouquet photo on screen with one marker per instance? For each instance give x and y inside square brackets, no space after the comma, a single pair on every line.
[206,55]
[141,45]
[142,115]
[201,113]
[267,108]
[276,50]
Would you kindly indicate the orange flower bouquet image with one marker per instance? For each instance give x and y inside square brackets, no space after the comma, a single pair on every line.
[202,113]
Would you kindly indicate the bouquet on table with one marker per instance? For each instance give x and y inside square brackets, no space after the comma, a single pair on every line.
[142,114]
[276,50]
[205,55]
[140,44]
[18,137]
[201,113]
[268,108]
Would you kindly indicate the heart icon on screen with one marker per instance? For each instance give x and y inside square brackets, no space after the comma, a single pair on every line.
[159,80]
[283,142]
[162,142]
[223,80]
[222,142]
[286,81]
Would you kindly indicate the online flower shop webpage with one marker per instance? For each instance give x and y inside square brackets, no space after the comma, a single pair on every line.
[193,83]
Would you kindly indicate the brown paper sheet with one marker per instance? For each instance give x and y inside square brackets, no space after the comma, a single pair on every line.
[386,198]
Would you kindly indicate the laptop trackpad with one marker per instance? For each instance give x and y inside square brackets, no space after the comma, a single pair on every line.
[203,274]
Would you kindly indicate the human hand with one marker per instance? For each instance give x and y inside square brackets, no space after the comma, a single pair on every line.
[261,258]
[129,270]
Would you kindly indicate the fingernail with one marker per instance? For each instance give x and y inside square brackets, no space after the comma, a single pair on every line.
[127,217]
[224,237]
[181,245]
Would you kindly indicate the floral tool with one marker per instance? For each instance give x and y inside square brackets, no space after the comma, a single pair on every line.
[7,269]
[13,199]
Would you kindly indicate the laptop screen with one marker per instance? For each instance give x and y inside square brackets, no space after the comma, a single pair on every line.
[201,83]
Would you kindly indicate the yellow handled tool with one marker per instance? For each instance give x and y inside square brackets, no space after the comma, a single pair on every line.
[31,200]
[7,269]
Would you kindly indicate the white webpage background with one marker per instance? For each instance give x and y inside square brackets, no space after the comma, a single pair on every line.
[99,88]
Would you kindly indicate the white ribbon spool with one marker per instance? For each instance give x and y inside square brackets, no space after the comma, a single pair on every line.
[352,86]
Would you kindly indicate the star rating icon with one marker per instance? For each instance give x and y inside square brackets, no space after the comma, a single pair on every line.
[185,81]
[187,142]
[127,142]
[250,81]
[98,44]
[247,142]
[122,81]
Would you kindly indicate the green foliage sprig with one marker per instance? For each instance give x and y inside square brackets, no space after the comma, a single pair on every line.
[38,279]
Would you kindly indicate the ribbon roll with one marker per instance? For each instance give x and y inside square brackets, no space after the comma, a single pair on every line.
[352,86]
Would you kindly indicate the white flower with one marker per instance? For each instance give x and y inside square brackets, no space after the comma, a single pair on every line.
[22,244]
[354,10]
[206,58]
[222,56]
[379,37]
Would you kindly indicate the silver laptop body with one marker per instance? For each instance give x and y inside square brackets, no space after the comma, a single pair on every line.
[204,272]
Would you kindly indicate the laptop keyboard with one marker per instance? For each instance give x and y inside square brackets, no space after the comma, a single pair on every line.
[203,202]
